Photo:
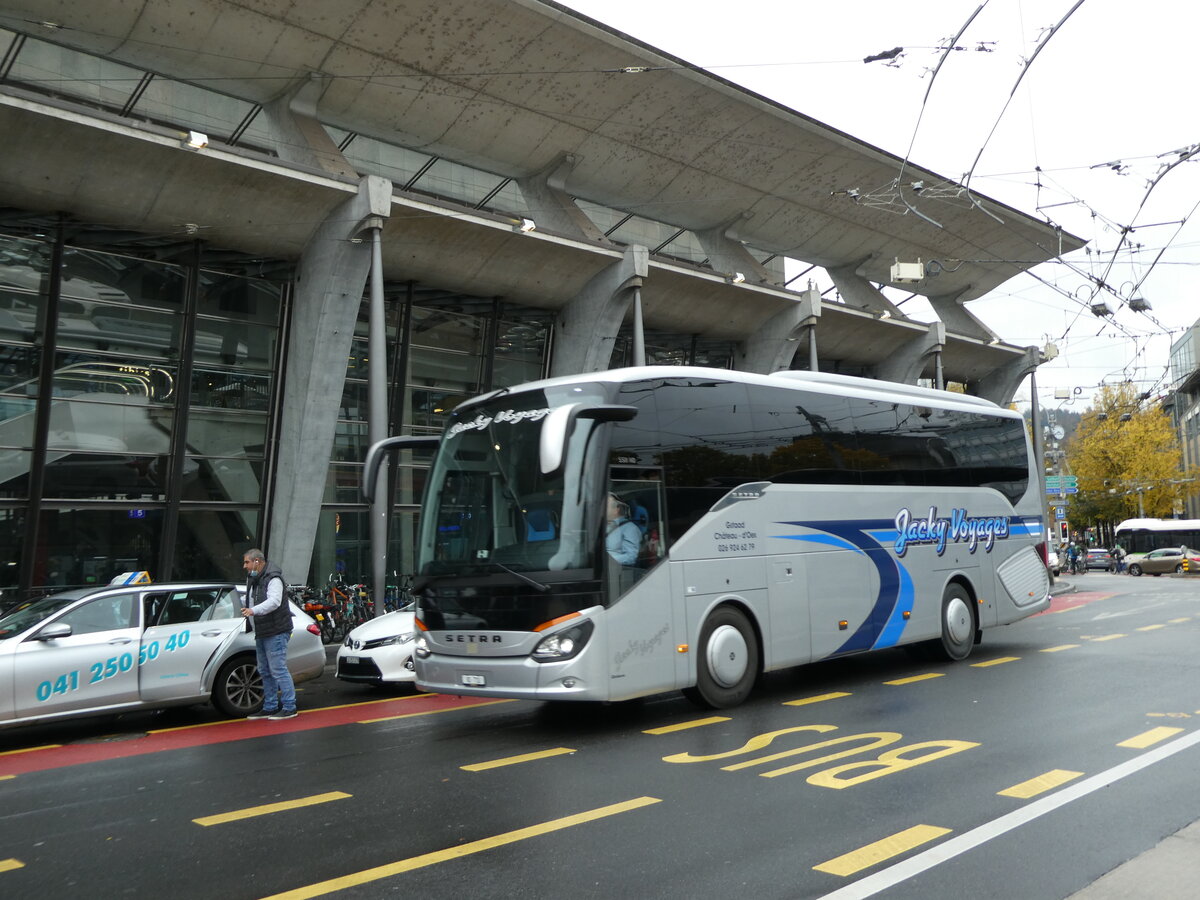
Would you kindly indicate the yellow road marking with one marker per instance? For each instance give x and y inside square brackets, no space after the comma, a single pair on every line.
[7,865]
[30,749]
[514,760]
[1180,621]
[837,695]
[6,777]
[998,661]
[1034,786]
[1059,647]
[684,726]
[1151,627]
[430,712]
[428,859]
[1108,637]
[269,808]
[302,712]
[872,854]
[1149,738]
[915,678]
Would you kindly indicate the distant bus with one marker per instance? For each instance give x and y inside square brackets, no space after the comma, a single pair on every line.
[777,520]
[1144,535]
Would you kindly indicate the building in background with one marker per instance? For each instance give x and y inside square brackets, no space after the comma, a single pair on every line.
[189,199]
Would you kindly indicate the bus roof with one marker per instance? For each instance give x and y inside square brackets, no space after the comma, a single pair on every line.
[1159,525]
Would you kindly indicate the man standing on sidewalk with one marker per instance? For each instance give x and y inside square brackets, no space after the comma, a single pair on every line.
[272,630]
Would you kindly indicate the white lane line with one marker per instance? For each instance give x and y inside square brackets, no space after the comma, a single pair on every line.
[969,840]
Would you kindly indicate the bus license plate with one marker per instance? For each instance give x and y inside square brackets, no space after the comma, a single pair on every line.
[474,681]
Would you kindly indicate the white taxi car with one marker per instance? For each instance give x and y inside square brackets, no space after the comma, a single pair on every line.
[122,647]
[379,651]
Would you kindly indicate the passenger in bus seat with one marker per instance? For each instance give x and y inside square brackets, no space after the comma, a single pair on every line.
[624,538]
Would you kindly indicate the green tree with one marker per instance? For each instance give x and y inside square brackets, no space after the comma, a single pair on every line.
[1126,459]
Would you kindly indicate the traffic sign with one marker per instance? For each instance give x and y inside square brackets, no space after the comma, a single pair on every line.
[1056,481]
[1061,489]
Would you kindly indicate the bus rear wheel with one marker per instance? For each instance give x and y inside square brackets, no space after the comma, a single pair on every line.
[727,665]
[958,624]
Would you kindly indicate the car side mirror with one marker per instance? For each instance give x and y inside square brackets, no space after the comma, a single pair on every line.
[53,632]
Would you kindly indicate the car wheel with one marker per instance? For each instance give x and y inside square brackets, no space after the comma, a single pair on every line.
[727,664]
[238,690]
[1178,568]
[1135,569]
[958,624]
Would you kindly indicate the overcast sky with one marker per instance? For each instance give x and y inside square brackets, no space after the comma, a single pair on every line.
[1103,108]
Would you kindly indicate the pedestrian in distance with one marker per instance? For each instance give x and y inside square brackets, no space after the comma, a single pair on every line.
[267,608]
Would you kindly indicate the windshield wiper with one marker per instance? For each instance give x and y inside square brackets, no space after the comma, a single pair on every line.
[525,578]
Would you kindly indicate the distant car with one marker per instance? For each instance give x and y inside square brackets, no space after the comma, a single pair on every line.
[1052,562]
[120,647]
[379,651]
[1168,559]
[1099,558]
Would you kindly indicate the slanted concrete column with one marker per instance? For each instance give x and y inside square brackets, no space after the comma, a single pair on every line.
[907,360]
[587,326]
[552,207]
[858,291]
[773,346]
[330,280]
[301,137]
[1000,385]
[958,319]
[728,255]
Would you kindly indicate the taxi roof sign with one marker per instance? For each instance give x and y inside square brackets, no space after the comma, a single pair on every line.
[133,578]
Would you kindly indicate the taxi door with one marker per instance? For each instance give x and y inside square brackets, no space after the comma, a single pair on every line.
[184,629]
[93,667]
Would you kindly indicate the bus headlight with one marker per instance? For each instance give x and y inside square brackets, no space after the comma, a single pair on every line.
[421,648]
[564,644]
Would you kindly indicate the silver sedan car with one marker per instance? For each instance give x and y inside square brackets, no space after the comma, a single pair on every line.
[122,647]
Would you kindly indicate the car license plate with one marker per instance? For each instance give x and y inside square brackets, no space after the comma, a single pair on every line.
[351,660]
[474,681]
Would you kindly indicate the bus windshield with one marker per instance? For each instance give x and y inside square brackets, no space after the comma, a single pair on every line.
[491,509]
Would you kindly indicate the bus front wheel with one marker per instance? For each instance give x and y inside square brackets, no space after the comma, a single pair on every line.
[958,623]
[727,665]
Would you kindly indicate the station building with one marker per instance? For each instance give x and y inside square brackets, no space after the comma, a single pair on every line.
[207,205]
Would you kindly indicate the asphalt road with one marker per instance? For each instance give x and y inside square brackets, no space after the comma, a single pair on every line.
[1063,746]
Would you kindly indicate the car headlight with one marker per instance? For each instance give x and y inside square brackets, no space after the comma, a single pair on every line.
[564,644]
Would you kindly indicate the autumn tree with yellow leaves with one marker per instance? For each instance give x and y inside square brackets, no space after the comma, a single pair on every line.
[1127,461]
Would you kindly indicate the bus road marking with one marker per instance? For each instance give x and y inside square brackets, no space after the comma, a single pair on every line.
[1150,627]
[684,726]
[998,661]
[6,777]
[1149,738]
[268,808]
[1106,637]
[430,712]
[1180,621]
[7,865]
[366,876]
[947,850]
[29,749]
[915,678]
[820,698]
[1034,786]
[514,760]
[1059,647]
[880,851]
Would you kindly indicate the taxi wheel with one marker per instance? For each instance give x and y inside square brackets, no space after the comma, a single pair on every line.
[958,623]
[727,664]
[238,690]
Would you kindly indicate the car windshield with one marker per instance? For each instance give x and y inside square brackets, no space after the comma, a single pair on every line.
[33,613]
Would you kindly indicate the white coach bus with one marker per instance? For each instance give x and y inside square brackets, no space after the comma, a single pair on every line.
[776,520]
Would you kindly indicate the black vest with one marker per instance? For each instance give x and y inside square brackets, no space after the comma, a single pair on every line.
[278,620]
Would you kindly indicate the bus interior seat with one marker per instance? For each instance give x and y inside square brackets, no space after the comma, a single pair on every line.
[539,525]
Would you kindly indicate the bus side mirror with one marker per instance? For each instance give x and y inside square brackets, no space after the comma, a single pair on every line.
[378,452]
[559,425]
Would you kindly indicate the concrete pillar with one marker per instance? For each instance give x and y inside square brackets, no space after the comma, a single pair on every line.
[773,346]
[552,208]
[330,280]
[907,360]
[1000,385]
[958,319]
[302,138]
[587,326]
[728,255]
[857,291]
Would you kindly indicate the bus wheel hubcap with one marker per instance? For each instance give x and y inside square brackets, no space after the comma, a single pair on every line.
[958,620]
[726,655]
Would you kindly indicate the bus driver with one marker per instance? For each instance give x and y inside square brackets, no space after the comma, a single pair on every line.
[624,538]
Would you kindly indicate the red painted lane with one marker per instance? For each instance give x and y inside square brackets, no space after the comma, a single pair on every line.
[1071,601]
[40,759]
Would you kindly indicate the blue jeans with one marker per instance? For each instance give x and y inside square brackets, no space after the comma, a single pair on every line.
[278,689]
